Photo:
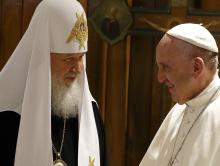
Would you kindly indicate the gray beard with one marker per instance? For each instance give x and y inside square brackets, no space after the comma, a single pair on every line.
[65,100]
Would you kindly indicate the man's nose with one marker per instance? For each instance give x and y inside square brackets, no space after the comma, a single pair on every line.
[77,67]
[161,76]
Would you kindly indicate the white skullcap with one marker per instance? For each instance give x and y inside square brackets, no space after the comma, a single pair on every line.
[194,34]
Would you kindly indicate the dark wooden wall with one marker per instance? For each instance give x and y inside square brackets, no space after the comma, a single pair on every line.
[122,77]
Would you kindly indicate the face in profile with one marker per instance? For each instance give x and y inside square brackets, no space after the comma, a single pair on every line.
[175,69]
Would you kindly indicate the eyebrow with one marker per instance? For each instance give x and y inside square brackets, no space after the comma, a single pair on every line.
[161,63]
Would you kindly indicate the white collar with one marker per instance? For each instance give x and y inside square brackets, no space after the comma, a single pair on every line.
[202,99]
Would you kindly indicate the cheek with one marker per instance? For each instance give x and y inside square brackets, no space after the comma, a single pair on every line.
[63,70]
[172,77]
[183,81]
[59,69]
[176,79]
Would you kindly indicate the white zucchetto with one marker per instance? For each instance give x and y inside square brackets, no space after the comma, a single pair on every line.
[194,34]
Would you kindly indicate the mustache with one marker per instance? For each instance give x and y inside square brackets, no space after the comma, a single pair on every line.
[72,74]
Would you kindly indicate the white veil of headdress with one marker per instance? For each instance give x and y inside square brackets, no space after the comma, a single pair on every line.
[25,85]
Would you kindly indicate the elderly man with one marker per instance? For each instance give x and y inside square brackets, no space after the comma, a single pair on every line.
[190,134]
[52,117]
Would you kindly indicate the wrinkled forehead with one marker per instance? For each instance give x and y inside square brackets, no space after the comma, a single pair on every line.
[167,39]
[169,48]
[166,42]
[67,26]
[175,44]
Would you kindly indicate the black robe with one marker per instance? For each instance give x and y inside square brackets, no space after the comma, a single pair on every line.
[9,125]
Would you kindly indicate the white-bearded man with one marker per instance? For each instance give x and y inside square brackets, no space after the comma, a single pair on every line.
[49,116]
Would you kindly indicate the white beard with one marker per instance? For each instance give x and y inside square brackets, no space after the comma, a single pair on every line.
[65,100]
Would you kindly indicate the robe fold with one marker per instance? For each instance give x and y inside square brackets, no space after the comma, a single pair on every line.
[9,125]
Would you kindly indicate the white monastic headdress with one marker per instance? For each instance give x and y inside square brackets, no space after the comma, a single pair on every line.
[57,26]
[194,34]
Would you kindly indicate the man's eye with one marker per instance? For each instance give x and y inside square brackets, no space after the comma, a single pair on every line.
[165,68]
[67,60]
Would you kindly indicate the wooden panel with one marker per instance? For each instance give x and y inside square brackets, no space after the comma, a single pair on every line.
[205,4]
[210,5]
[115,115]
[139,98]
[92,4]
[162,4]
[28,10]
[96,68]
[11,26]
[144,3]
[151,4]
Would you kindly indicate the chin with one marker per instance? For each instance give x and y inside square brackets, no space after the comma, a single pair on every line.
[68,83]
[174,99]
[181,101]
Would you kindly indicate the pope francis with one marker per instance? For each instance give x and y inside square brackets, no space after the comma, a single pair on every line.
[187,59]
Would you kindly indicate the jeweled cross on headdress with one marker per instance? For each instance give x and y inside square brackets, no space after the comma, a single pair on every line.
[79,31]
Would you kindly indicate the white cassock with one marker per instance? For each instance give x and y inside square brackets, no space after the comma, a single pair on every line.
[202,143]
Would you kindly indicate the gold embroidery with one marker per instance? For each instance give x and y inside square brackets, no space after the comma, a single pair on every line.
[79,31]
[91,161]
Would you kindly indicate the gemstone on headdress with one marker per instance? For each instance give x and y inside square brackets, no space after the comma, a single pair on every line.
[79,31]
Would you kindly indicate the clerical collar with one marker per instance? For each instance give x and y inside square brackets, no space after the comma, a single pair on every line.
[206,94]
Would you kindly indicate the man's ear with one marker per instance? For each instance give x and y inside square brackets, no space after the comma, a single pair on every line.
[198,66]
